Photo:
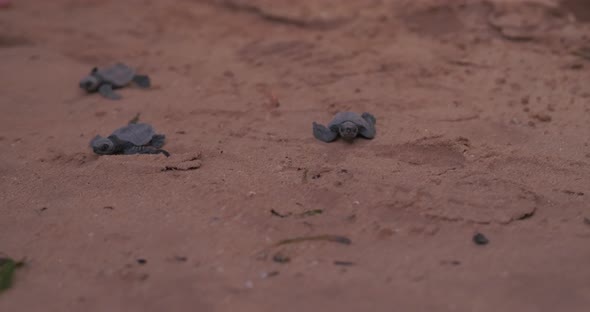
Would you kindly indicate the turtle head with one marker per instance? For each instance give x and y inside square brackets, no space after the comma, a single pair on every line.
[90,83]
[348,130]
[102,146]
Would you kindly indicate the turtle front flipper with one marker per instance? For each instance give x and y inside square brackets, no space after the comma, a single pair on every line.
[161,151]
[145,150]
[158,140]
[369,131]
[143,81]
[153,150]
[95,140]
[135,119]
[107,91]
[322,133]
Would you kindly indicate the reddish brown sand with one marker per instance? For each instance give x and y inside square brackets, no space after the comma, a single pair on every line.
[483,126]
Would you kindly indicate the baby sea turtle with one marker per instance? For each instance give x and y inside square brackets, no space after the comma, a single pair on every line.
[107,79]
[348,125]
[135,138]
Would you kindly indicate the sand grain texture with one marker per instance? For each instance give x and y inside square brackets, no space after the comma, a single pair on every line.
[478,130]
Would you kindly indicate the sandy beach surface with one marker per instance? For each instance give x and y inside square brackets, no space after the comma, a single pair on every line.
[483,126]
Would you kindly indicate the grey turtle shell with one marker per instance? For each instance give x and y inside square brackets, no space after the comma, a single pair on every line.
[138,134]
[348,116]
[118,75]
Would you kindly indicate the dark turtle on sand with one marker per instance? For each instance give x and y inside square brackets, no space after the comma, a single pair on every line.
[105,80]
[135,138]
[347,125]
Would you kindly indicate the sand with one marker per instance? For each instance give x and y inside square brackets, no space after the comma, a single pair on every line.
[482,126]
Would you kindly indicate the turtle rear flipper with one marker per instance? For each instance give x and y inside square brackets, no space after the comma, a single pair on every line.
[322,133]
[143,81]
[107,91]
[368,131]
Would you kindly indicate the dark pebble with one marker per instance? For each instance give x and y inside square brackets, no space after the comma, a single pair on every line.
[451,262]
[273,273]
[280,258]
[141,261]
[480,239]
[345,263]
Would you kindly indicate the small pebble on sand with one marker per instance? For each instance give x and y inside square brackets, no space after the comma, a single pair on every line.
[480,239]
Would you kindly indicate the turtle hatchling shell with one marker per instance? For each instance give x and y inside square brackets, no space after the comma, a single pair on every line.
[119,74]
[137,134]
[348,116]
